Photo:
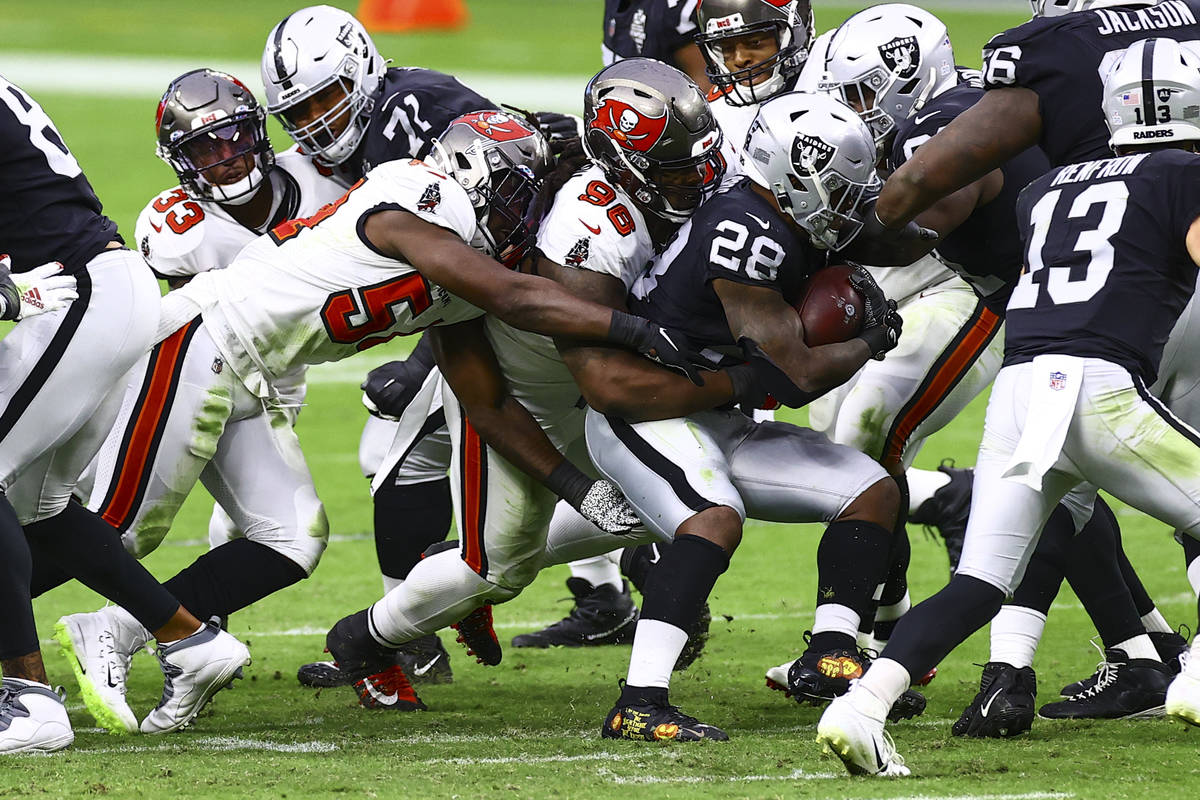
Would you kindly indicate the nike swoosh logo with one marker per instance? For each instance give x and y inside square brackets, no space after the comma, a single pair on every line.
[878,756]
[918,120]
[157,228]
[591,228]
[380,697]
[421,670]
[986,707]
[765,225]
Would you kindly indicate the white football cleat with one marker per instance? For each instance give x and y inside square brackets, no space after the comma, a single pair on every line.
[1183,695]
[777,677]
[33,718]
[100,662]
[194,669]
[852,729]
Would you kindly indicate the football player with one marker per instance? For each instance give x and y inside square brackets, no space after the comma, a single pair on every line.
[605,224]
[232,188]
[1071,403]
[83,322]
[694,479]
[658,29]
[1043,81]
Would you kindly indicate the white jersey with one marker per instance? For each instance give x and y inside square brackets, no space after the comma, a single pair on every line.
[313,290]
[180,237]
[592,225]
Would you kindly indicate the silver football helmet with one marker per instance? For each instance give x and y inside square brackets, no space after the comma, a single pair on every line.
[1057,8]
[651,130]
[886,62]
[500,160]
[1152,95]
[213,133]
[818,159]
[789,21]
[321,72]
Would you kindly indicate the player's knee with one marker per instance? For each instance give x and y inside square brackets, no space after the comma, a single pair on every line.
[721,525]
[879,503]
[303,543]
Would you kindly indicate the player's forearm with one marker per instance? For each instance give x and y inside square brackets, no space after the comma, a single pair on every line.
[542,306]
[818,369]
[510,430]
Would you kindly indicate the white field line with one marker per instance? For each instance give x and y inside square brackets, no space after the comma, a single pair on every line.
[142,77]
[1024,796]
[641,780]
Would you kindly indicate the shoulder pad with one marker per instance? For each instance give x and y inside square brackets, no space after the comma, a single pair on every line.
[170,232]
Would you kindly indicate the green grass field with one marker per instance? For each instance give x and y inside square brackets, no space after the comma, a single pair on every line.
[530,727]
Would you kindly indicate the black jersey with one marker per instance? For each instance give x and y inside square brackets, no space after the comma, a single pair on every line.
[48,210]
[1064,60]
[985,250]
[412,109]
[647,28]
[1108,271]
[737,235]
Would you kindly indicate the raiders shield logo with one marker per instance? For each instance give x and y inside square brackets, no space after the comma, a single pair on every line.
[901,55]
[579,253]
[1164,93]
[430,198]
[810,154]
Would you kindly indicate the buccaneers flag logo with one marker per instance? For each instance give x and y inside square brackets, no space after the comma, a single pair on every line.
[629,127]
[496,126]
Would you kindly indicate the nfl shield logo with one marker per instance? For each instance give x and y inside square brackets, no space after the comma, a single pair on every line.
[901,55]
[1058,381]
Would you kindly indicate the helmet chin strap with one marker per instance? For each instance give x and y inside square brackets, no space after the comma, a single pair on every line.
[239,192]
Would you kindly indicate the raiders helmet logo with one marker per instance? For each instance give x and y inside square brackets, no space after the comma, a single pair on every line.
[579,253]
[430,199]
[496,126]
[810,154]
[344,35]
[627,126]
[901,55]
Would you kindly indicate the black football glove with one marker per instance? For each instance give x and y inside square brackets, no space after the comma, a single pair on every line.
[887,247]
[557,128]
[389,388]
[668,347]
[874,300]
[882,332]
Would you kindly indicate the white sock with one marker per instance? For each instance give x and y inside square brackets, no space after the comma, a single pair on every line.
[1193,575]
[656,646]
[895,610]
[1154,622]
[598,571]
[1016,631]
[1139,646]
[922,483]
[439,590]
[886,680]
[833,617]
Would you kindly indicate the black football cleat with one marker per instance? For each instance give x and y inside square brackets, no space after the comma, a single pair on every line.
[948,509]
[651,722]
[388,690]
[355,652]
[425,660]
[1124,688]
[601,615]
[1170,646]
[322,675]
[1004,706]
[819,676]
[475,632]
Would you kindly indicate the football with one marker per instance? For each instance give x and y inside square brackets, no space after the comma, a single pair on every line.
[830,308]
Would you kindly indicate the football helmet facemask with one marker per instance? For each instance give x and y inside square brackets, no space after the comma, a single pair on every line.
[886,62]
[790,22]
[818,159]
[500,160]
[213,133]
[321,72]
[650,129]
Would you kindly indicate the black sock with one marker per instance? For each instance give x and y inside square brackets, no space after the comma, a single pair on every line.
[638,561]
[18,634]
[231,577]
[927,633]
[682,580]
[408,519]
[896,586]
[87,548]
[1094,573]
[852,559]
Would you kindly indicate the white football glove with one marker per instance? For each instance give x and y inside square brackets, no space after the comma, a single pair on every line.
[41,289]
[605,507]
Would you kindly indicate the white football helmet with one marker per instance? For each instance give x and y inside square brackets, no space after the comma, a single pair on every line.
[818,159]
[1152,95]
[306,53]
[888,61]
[1057,8]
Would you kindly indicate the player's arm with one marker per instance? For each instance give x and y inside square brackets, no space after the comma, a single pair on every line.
[523,301]
[761,315]
[1193,241]
[689,60]
[615,381]
[1001,125]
